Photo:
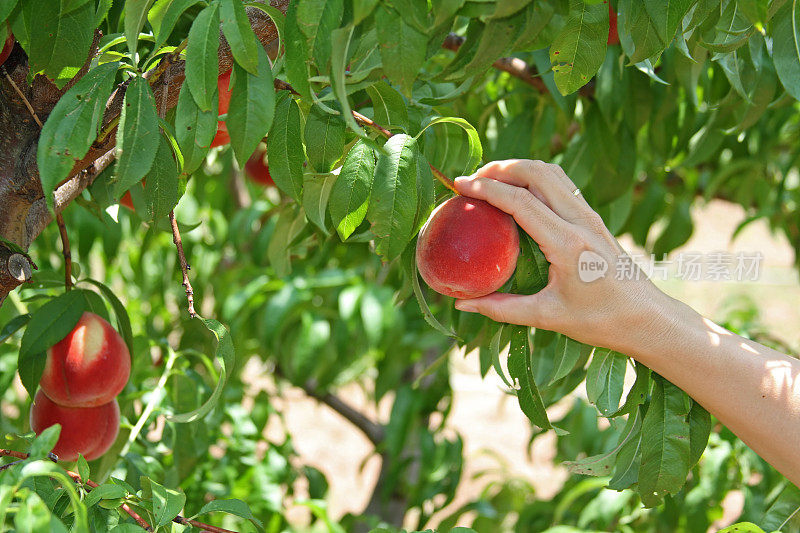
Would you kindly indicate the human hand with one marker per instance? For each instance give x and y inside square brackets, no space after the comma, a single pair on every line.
[610,312]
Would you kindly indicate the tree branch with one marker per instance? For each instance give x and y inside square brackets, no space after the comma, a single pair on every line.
[514,66]
[62,228]
[176,238]
[371,429]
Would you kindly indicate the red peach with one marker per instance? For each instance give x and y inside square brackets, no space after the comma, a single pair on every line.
[467,248]
[126,201]
[88,367]
[84,430]
[222,136]
[257,169]
[613,35]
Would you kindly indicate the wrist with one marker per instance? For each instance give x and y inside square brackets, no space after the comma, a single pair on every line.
[655,327]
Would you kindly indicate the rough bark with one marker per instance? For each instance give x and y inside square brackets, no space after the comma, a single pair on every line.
[23,210]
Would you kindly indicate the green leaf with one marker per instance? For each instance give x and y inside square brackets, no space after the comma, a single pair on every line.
[699,431]
[393,203]
[648,27]
[296,53]
[161,187]
[786,47]
[629,458]
[202,70]
[252,107]
[194,129]
[291,221]
[742,527]
[362,9]
[580,47]
[490,41]
[316,192]
[243,42]
[519,358]
[167,503]
[137,135]
[390,109]
[403,48]
[83,468]
[13,325]
[48,325]
[475,153]
[164,15]
[410,269]
[340,40]
[568,353]
[106,491]
[756,11]
[44,443]
[445,10]
[324,136]
[785,509]
[135,16]
[678,229]
[226,357]
[509,7]
[285,148]
[666,17]
[231,506]
[605,380]
[637,394]
[603,464]
[317,19]
[426,192]
[665,443]
[72,126]
[7,6]
[350,194]
[56,35]
[103,7]
[533,269]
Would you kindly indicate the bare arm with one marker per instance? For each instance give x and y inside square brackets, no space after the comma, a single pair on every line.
[752,389]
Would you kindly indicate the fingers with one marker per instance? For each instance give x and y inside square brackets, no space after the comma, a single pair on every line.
[546,181]
[524,310]
[538,220]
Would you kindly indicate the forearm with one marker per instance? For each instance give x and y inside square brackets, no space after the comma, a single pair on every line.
[752,389]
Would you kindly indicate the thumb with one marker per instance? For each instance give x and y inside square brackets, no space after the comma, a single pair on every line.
[523,310]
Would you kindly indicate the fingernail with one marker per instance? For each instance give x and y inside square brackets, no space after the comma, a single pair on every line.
[468,307]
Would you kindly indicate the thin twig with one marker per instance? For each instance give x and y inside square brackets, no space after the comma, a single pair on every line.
[62,228]
[24,99]
[12,453]
[176,238]
[152,76]
[371,123]
[9,465]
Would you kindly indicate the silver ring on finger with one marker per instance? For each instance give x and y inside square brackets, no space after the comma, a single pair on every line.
[576,192]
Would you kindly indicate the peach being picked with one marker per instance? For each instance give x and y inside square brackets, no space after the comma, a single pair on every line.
[467,248]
